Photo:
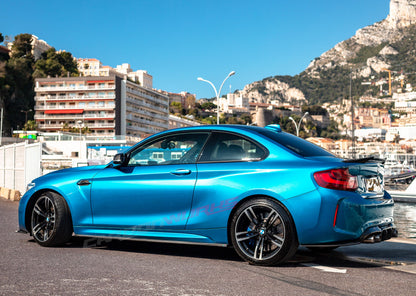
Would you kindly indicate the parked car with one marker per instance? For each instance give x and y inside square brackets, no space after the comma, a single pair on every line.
[260,190]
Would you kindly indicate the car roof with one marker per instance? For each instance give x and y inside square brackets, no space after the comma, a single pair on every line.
[219,127]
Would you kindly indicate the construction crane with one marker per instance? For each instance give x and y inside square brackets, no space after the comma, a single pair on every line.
[387,70]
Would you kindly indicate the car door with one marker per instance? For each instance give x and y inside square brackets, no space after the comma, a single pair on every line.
[229,166]
[153,189]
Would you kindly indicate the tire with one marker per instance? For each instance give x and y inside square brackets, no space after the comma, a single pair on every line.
[51,220]
[262,233]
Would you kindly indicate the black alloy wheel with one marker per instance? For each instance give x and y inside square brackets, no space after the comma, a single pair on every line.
[262,232]
[50,220]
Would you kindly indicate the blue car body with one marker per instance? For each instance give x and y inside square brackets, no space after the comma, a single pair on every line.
[194,202]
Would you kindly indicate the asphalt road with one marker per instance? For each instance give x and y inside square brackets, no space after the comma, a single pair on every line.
[137,268]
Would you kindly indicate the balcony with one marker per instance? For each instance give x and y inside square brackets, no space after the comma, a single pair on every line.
[74,98]
[147,105]
[91,126]
[147,122]
[143,112]
[72,88]
[74,116]
[150,98]
[104,108]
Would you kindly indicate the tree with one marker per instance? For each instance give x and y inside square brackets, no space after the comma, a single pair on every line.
[22,46]
[208,106]
[54,64]
[189,101]
[176,108]
[30,125]
[18,82]
[246,118]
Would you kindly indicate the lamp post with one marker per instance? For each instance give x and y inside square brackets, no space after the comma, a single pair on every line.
[297,126]
[217,94]
[26,111]
[80,122]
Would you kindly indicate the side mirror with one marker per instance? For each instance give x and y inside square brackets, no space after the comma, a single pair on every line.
[119,158]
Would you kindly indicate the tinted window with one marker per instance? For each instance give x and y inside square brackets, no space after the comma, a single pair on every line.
[231,147]
[295,144]
[173,149]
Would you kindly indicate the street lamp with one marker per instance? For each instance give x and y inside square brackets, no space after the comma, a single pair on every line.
[26,111]
[217,94]
[297,126]
[80,123]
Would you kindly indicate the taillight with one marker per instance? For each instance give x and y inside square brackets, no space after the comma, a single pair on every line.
[339,179]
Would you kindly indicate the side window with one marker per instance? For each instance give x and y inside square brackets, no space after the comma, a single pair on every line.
[173,149]
[230,147]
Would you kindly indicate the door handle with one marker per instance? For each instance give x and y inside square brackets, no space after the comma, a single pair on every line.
[181,172]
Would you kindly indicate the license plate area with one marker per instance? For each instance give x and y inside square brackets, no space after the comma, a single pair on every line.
[373,185]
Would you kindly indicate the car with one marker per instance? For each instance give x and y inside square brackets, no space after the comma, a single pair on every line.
[260,190]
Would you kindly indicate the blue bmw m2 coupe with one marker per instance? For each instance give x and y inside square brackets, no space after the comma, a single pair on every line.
[260,190]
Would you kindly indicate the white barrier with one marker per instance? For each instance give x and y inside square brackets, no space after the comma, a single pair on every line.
[19,164]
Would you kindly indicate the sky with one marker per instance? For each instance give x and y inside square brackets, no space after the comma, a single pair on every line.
[177,41]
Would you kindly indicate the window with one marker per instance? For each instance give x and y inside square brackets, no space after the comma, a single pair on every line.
[172,149]
[231,147]
[295,144]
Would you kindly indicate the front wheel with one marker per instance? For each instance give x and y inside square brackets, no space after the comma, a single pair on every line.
[50,220]
[262,232]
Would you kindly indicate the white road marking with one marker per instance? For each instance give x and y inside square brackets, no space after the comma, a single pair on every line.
[325,268]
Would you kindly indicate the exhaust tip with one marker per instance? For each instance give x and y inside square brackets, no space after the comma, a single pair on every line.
[369,239]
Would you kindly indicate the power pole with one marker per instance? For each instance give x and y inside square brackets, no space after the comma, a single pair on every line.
[352,121]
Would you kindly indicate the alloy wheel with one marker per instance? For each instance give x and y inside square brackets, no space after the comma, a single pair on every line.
[260,232]
[43,219]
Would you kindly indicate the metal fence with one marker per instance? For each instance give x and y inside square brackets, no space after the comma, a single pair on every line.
[19,164]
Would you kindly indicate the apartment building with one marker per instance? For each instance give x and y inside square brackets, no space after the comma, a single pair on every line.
[38,46]
[178,122]
[373,117]
[234,103]
[108,105]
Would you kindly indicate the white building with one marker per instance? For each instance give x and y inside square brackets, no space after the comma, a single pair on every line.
[177,122]
[93,67]
[108,105]
[234,103]
[404,132]
[370,134]
[38,46]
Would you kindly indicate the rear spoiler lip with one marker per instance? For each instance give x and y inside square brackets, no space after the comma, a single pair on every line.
[365,160]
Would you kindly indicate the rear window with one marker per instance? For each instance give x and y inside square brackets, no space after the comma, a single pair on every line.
[295,144]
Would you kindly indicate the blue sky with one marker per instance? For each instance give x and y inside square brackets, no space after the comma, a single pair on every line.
[177,41]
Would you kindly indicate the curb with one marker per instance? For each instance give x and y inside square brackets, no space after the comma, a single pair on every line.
[10,194]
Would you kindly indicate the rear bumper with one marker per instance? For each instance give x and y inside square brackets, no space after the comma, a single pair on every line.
[378,233]
[347,218]
[371,235]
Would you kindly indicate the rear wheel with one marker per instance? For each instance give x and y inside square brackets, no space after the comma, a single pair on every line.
[50,220]
[262,232]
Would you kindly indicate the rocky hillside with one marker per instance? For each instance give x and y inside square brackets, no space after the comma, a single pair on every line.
[388,44]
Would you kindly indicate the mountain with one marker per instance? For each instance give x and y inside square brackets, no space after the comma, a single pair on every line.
[388,44]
